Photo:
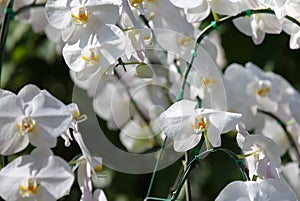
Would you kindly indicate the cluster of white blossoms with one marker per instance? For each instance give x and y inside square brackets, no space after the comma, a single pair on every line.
[35,116]
[101,41]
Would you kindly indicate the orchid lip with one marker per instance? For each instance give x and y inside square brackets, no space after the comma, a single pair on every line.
[26,125]
[80,15]
[28,188]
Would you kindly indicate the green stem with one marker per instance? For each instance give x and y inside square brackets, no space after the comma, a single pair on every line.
[154,198]
[128,63]
[184,177]
[239,162]
[188,193]
[206,140]
[4,31]
[4,161]
[178,178]
[187,169]
[25,8]
[185,75]
[156,166]
[212,27]
[243,169]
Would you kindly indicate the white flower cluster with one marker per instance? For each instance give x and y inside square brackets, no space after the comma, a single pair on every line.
[34,116]
[99,37]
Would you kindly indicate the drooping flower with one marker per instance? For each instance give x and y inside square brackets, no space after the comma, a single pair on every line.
[38,176]
[88,167]
[257,25]
[262,154]
[185,124]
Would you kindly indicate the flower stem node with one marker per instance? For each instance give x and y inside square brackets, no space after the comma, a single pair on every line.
[194,53]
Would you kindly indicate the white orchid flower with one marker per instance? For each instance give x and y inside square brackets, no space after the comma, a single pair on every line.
[185,124]
[78,20]
[89,59]
[198,10]
[38,176]
[264,90]
[31,116]
[258,25]
[269,189]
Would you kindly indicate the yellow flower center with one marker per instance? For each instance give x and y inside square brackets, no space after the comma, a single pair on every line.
[28,188]
[80,15]
[136,3]
[185,42]
[90,56]
[263,88]
[209,82]
[27,125]
[200,124]
[98,168]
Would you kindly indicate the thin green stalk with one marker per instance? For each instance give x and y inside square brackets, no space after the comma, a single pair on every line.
[184,177]
[156,166]
[178,178]
[239,162]
[187,169]
[243,169]
[188,192]
[127,63]
[8,13]
[25,8]
[154,198]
